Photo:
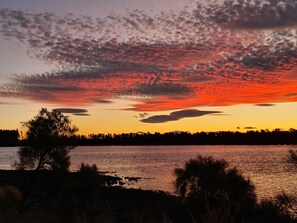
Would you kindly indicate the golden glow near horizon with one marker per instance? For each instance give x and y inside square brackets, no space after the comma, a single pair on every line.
[105,120]
[117,118]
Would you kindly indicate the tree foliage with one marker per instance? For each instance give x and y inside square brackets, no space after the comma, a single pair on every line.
[47,145]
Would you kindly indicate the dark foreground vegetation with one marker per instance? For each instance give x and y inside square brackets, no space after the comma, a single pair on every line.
[84,196]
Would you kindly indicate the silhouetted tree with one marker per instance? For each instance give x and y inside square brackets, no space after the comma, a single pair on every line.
[46,145]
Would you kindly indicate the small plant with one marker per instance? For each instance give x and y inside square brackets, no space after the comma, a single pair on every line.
[287,203]
[86,168]
[293,156]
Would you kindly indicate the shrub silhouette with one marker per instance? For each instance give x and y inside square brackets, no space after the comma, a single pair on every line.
[208,186]
[88,169]
[46,146]
[274,211]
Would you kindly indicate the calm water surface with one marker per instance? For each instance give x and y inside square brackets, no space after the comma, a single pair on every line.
[266,166]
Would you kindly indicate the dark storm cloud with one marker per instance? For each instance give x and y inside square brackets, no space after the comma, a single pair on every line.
[177,115]
[264,105]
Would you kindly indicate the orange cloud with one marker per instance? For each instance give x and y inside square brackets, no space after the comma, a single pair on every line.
[174,60]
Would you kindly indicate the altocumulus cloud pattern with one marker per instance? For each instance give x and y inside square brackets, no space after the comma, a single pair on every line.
[219,53]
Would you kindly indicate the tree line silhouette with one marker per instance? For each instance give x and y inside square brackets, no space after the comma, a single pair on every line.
[262,137]
[9,137]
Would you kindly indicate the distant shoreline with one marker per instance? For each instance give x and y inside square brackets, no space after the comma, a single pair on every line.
[262,137]
[149,145]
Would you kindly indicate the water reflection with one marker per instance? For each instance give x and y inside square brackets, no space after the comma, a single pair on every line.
[266,166]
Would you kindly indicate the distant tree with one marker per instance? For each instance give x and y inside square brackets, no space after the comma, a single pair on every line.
[46,144]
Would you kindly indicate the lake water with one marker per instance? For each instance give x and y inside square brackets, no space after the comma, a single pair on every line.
[266,166]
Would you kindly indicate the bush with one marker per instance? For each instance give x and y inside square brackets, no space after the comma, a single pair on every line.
[209,186]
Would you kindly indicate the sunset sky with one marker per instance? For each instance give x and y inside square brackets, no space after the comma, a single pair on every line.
[120,66]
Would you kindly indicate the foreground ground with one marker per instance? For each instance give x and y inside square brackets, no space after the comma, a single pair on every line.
[77,197]
[87,196]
